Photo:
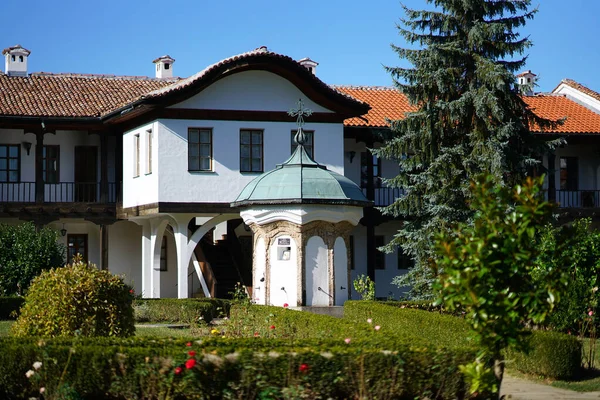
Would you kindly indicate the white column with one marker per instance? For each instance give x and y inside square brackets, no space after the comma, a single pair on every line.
[154,268]
[183,259]
[146,258]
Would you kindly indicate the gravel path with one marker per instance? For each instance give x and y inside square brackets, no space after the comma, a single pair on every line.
[521,389]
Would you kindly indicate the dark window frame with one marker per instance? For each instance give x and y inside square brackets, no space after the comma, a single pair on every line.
[569,174]
[364,159]
[46,163]
[310,147]
[198,153]
[163,254]
[8,158]
[250,158]
[403,260]
[351,250]
[86,246]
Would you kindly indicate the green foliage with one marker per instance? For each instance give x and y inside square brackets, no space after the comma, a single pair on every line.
[470,119]
[24,254]
[576,250]
[76,300]
[488,267]
[552,354]
[182,311]
[9,307]
[365,287]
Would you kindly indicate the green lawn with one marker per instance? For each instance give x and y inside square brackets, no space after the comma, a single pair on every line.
[140,331]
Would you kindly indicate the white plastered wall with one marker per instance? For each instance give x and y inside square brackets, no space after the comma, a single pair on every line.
[125,252]
[316,272]
[143,188]
[283,272]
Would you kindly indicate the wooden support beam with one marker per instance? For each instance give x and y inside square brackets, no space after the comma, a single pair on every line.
[103,167]
[39,158]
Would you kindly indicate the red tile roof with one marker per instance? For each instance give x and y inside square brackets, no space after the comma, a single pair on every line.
[71,95]
[389,103]
[386,103]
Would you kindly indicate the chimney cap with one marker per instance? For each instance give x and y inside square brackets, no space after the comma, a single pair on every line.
[308,61]
[165,58]
[17,49]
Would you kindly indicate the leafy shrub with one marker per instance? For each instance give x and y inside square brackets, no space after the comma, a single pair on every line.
[9,306]
[576,250]
[76,300]
[553,355]
[24,254]
[365,287]
[179,310]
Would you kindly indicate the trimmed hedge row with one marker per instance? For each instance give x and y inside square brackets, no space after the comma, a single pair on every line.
[179,310]
[10,306]
[552,354]
[229,368]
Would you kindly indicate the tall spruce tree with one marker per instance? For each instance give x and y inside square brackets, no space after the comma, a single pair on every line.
[470,119]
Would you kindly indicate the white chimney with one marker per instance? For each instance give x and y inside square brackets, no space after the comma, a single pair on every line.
[164,66]
[526,81]
[309,65]
[15,63]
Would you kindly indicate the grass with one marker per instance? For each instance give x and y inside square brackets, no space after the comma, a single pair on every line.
[158,332]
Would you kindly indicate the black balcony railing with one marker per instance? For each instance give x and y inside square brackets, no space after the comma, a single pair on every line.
[62,192]
[17,192]
[385,196]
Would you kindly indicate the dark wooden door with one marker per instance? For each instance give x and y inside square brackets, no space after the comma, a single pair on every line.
[77,244]
[86,174]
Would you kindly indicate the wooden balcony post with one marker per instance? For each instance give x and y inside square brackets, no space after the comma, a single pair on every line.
[551,177]
[39,173]
[103,167]
[104,247]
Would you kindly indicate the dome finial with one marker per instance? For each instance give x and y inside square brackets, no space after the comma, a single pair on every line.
[300,112]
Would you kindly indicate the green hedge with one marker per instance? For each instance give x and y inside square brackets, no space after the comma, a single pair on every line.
[10,306]
[179,310]
[230,368]
[554,355]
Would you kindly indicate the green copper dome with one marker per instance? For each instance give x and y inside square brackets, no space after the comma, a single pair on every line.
[301,180]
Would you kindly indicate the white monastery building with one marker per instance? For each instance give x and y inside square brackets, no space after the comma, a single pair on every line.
[142,175]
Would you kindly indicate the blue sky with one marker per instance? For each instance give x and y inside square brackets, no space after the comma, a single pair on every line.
[350,39]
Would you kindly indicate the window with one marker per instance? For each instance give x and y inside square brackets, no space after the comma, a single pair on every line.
[379,255]
[167,66]
[404,261]
[77,244]
[20,58]
[199,149]
[149,138]
[251,150]
[136,156]
[9,163]
[310,142]
[351,244]
[163,254]
[366,158]
[569,173]
[50,163]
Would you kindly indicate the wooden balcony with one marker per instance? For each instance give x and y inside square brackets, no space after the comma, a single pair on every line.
[585,199]
[384,196]
[62,192]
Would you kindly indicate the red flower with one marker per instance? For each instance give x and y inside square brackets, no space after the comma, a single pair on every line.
[131,291]
[272,327]
[256,334]
[303,368]
[285,305]
[191,353]
[189,344]
[178,370]
[189,364]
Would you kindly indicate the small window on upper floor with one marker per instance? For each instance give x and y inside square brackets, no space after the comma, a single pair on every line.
[10,164]
[136,156]
[149,138]
[13,58]
[251,150]
[365,158]
[20,58]
[309,145]
[167,66]
[200,149]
